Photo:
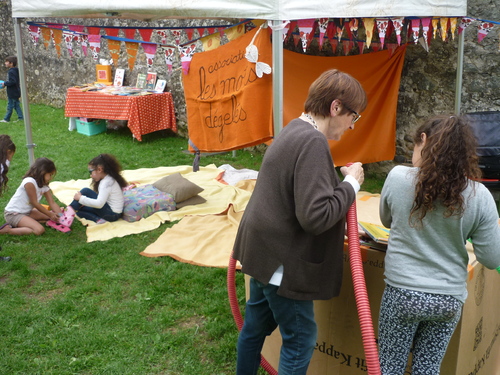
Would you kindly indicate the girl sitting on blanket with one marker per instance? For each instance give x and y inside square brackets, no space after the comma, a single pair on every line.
[24,213]
[104,202]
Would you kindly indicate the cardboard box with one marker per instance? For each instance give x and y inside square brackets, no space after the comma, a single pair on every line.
[90,127]
[474,348]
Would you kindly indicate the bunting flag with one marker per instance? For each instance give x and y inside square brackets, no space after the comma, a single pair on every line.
[464,23]
[426,22]
[353,27]
[369,27]
[111,31]
[94,30]
[189,33]
[132,49]
[34,32]
[453,27]
[443,22]
[210,42]
[397,22]
[483,29]
[169,57]
[235,32]
[176,34]
[146,34]
[382,25]
[95,45]
[322,25]
[129,33]
[46,36]
[391,47]
[330,31]
[186,55]
[84,43]
[285,31]
[339,28]
[201,31]
[114,47]
[435,23]
[57,37]
[150,51]
[347,28]
[291,29]
[415,29]
[305,32]
[361,46]
[163,36]
[68,41]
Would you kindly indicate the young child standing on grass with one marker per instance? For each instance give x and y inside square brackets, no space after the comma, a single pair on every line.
[104,202]
[13,89]
[7,151]
[24,212]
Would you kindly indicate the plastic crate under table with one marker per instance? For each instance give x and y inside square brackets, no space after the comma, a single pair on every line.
[90,128]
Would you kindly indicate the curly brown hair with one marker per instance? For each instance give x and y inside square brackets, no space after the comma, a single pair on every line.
[448,162]
[111,166]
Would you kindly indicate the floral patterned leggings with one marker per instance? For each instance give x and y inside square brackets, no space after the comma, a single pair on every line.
[423,319]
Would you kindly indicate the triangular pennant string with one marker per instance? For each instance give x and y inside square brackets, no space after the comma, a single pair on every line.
[391,47]
[169,57]
[46,36]
[129,33]
[435,23]
[146,34]
[94,30]
[34,32]
[382,25]
[114,50]
[95,45]
[322,25]
[443,22]
[132,48]
[84,41]
[464,23]
[397,22]
[210,42]
[176,34]
[330,31]
[68,41]
[163,36]
[201,31]
[347,46]
[353,27]
[235,32]
[453,26]
[186,54]
[305,31]
[57,36]
[347,28]
[111,31]
[150,51]
[189,33]
[369,27]
[361,46]
[339,28]
[483,29]
[426,23]
[415,28]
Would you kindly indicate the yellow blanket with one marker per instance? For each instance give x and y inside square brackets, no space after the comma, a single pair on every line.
[218,195]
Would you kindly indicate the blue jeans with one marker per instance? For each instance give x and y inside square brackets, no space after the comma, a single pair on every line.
[91,213]
[265,311]
[11,105]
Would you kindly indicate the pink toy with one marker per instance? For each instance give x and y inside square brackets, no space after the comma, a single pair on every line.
[68,216]
[58,226]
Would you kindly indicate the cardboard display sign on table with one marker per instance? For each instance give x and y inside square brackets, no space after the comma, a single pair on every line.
[474,347]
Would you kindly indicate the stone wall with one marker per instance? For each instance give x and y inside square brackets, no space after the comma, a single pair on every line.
[427,84]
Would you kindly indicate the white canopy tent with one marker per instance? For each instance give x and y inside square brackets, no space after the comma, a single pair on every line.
[271,10]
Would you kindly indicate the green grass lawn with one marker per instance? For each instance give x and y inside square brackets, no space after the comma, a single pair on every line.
[72,307]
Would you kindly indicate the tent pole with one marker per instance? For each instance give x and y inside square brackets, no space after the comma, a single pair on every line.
[460,68]
[24,91]
[277,37]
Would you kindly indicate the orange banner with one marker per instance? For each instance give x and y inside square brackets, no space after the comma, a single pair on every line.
[374,136]
[228,105]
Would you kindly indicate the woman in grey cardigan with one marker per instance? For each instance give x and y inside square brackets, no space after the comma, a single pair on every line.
[290,240]
[432,210]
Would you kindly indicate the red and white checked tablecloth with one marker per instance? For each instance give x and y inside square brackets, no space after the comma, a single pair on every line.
[145,113]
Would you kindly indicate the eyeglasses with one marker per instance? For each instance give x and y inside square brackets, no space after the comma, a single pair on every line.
[91,170]
[356,116]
